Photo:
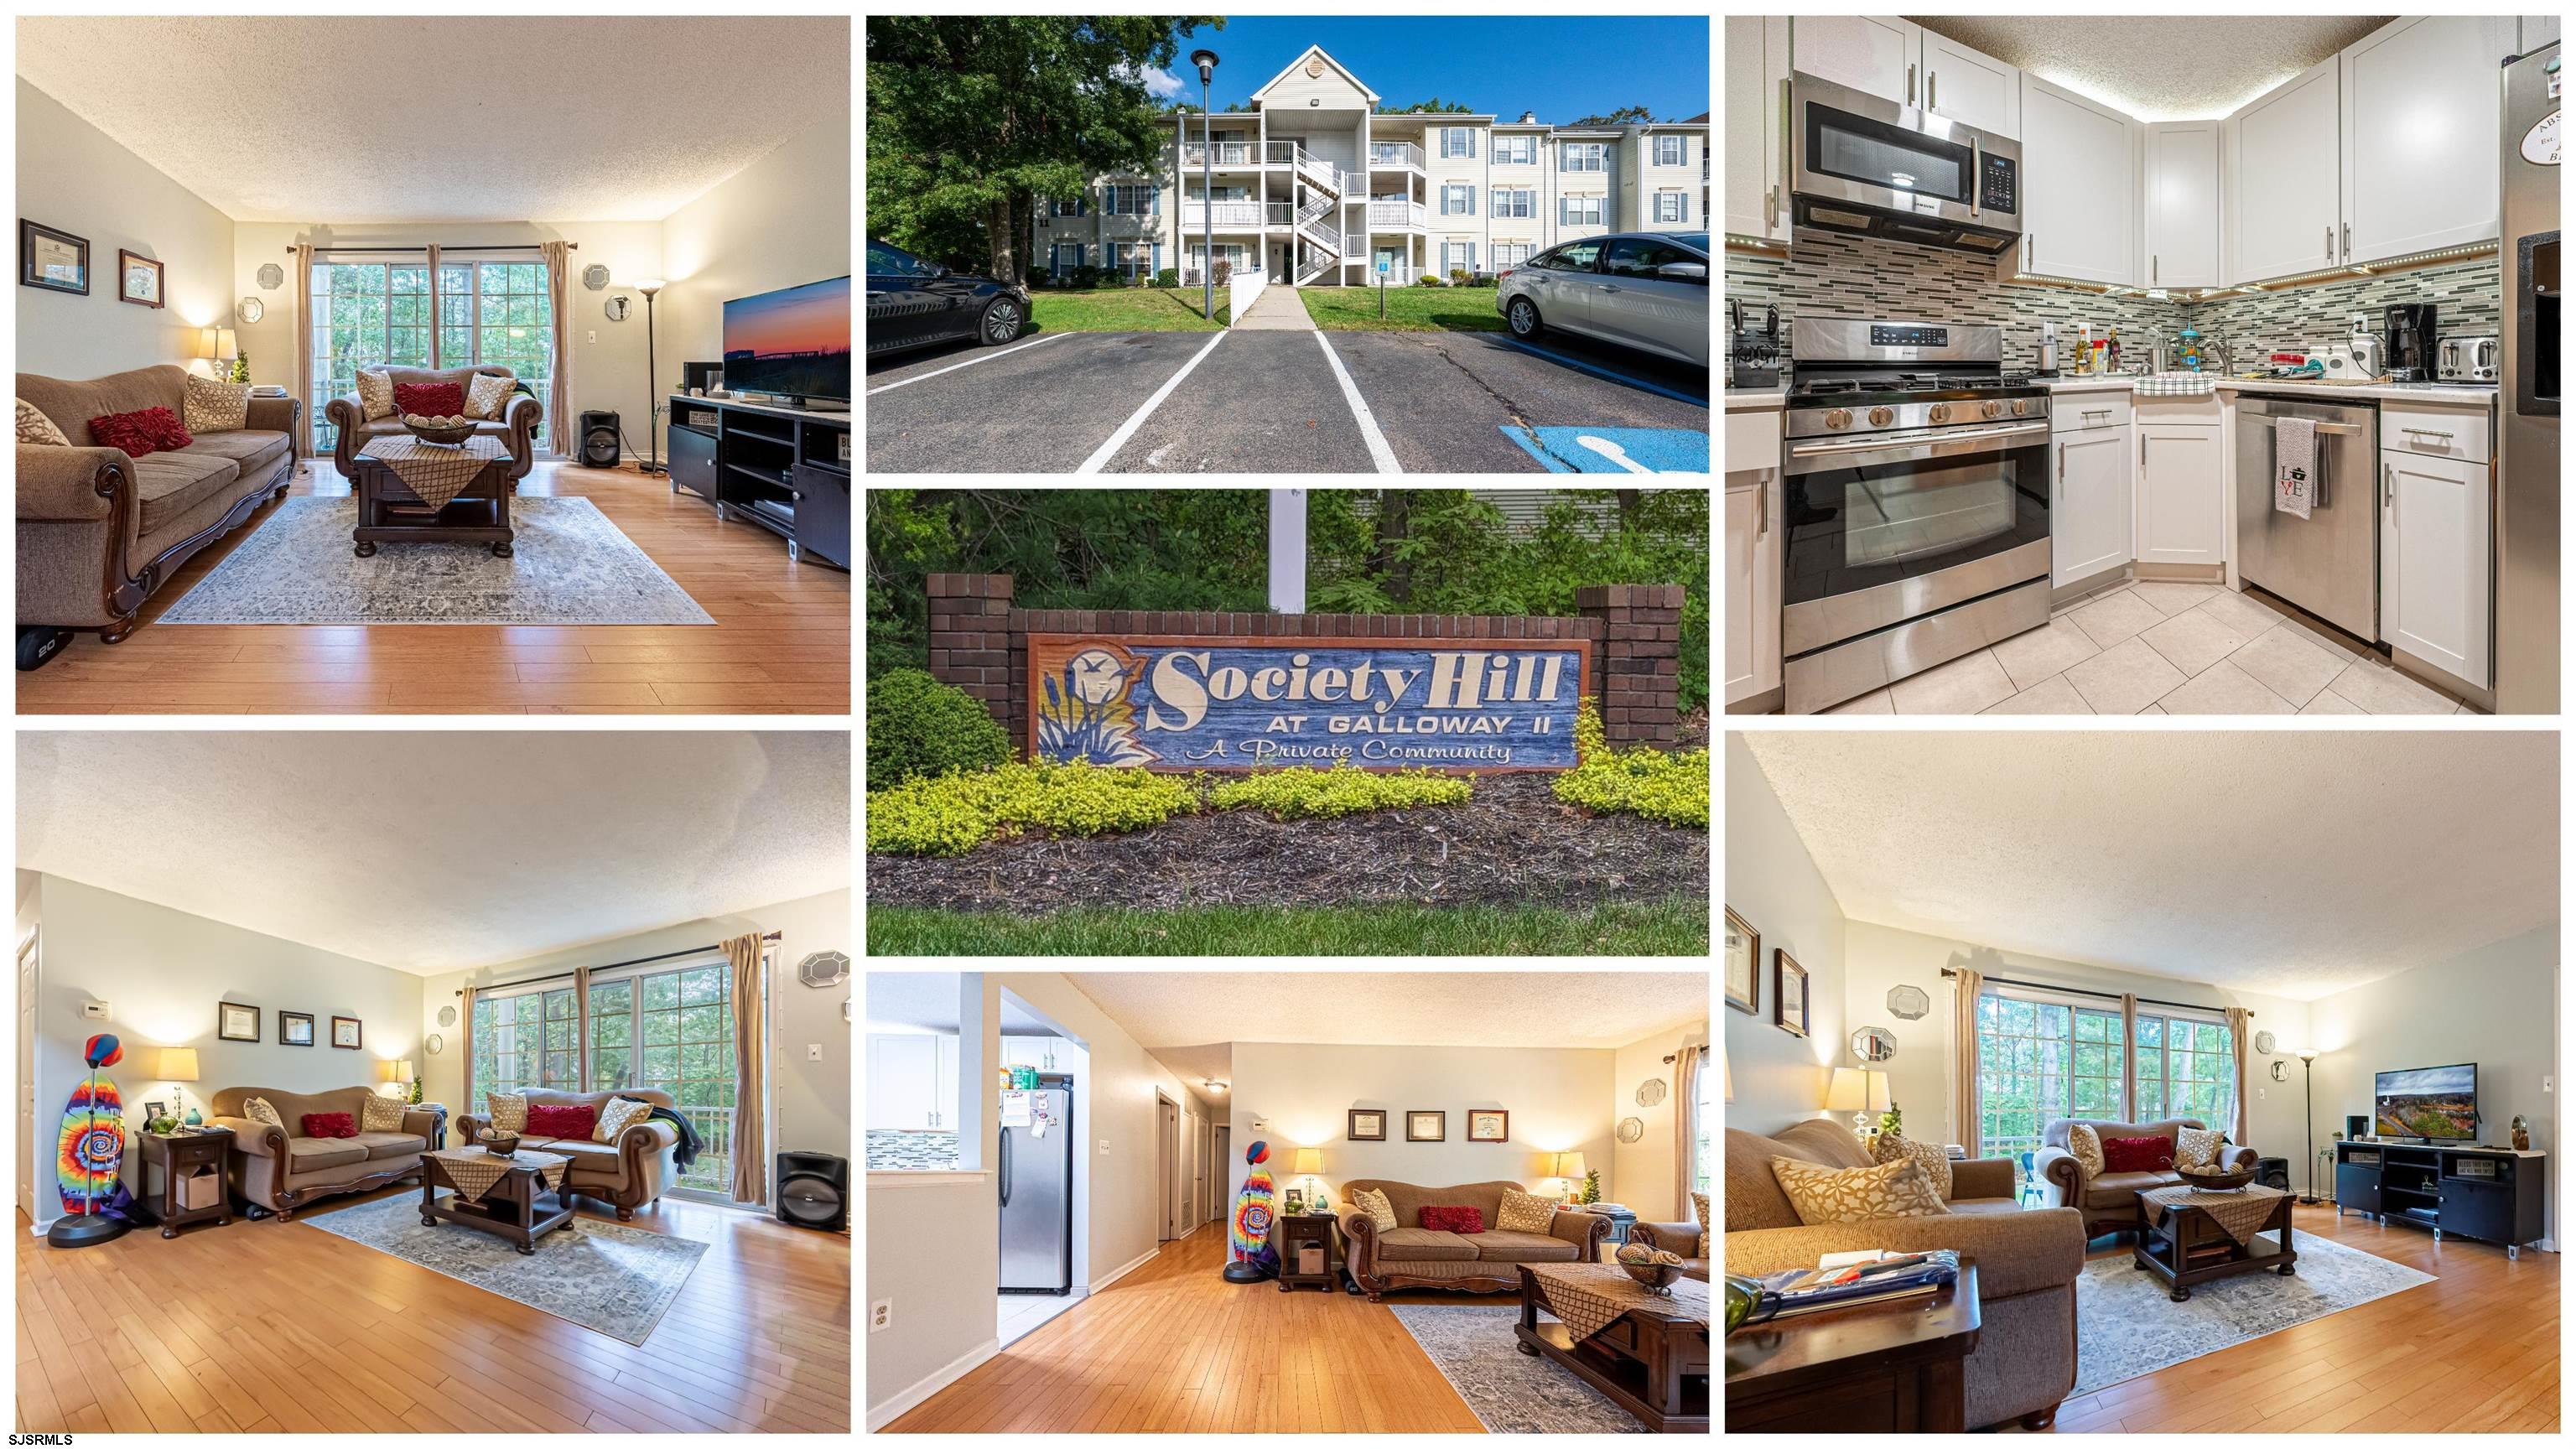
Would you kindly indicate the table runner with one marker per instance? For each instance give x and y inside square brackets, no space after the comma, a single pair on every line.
[435,473]
[2241,1212]
[1589,1297]
[474,1172]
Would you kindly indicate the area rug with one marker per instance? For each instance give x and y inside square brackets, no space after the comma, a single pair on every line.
[1509,1391]
[616,1279]
[2127,1325]
[569,565]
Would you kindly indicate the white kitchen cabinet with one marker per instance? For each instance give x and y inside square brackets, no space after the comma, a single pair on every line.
[904,1080]
[2182,204]
[2282,196]
[2419,121]
[2089,508]
[1879,54]
[2436,533]
[1030,1051]
[2537,31]
[1971,88]
[2079,189]
[1757,118]
[943,1083]
[2182,493]
[1753,563]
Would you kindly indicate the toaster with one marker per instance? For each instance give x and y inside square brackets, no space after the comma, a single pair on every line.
[2468,359]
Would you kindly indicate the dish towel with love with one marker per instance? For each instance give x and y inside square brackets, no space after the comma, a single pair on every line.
[2294,466]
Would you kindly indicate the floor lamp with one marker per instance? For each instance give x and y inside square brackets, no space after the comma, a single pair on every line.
[2308,1064]
[652,397]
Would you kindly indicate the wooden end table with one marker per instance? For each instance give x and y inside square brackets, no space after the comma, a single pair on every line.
[1296,1231]
[176,1158]
[509,1210]
[1652,1364]
[1898,1366]
[2190,1247]
[388,512]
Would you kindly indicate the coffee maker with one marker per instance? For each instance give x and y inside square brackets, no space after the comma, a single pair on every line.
[2413,350]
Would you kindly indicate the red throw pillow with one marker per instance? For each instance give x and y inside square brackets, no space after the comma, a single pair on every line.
[430,399]
[330,1124]
[557,1123]
[1451,1219]
[2137,1154]
[140,434]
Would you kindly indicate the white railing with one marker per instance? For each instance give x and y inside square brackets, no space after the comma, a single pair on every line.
[1395,153]
[1242,289]
[1244,214]
[1395,213]
[1319,172]
[1228,153]
[1314,267]
[1315,223]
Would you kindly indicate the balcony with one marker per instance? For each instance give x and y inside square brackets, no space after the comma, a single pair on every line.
[1228,153]
[1395,153]
[1235,215]
[1383,215]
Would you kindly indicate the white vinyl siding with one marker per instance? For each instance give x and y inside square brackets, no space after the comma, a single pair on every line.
[1515,202]
[1578,210]
[1458,200]
[1517,150]
[1672,151]
[1671,206]
[1583,156]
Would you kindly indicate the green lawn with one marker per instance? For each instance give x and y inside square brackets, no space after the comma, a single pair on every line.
[1126,309]
[1408,309]
[1672,928]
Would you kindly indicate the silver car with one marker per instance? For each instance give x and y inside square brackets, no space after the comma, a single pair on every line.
[1642,289]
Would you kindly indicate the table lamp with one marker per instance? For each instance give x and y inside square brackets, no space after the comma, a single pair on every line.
[1569,1169]
[389,1071]
[1309,1162]
[179,1064]
[404,1071]
[1858,1092]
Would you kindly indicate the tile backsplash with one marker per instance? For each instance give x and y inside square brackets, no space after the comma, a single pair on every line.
[2468,298]
[890,1151]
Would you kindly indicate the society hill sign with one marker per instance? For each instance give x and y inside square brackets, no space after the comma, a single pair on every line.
[1193,702]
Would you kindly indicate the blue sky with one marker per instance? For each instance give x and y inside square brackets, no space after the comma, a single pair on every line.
[1504,64]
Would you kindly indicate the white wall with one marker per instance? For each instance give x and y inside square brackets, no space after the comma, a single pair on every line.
[162,972]
[1293,1095]
[934,1250]
[72,178]
[1773,884]
[1643,1170]
[2496,1006]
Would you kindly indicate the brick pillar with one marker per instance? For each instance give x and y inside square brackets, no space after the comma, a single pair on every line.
[970,640]
[1640,654]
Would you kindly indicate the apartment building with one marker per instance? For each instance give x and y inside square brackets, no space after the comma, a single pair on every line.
[1316,188]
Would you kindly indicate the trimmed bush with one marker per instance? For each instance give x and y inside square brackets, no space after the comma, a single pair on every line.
[1168,278]
[1305,793]
[1670,788]
[919,727]
[1458,276]
[952,814]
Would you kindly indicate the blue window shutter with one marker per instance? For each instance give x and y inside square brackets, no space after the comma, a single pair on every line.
[1158,201]
[1471,200]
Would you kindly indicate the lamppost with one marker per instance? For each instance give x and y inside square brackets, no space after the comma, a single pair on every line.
[1205,60]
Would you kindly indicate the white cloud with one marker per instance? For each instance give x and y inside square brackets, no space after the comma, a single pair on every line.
[1159,83]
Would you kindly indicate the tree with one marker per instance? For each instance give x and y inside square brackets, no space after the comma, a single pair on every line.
[1432,107]
[1624,116]
[970,117]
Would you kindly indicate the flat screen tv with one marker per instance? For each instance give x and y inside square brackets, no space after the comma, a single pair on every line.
[2439,1103]
[794,342]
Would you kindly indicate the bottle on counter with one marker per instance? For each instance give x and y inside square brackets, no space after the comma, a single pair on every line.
[2083,347]
[2114,350]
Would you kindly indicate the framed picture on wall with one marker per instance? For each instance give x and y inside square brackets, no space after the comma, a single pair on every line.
[57,261]
[1489,1125]
[1426,1126]
[236,1022]
[1788,994]
[1367,1126]
[347,1032]
[1743,965]
[139,280]
[295,1028]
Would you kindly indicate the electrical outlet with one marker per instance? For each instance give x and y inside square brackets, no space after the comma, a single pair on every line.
[591,336]
[813,1051]
[881,1315]
[2548,1085]
[1104,1147]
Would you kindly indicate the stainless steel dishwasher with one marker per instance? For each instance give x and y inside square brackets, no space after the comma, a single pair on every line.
[2328,562]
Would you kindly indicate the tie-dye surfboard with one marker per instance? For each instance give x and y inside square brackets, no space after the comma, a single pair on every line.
[92,1147]
[1250,1237]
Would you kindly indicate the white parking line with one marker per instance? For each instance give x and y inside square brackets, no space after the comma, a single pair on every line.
[1378,450]
[969,362]
[1100,457]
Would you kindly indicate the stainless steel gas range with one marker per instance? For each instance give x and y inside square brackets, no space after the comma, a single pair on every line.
[1916,489]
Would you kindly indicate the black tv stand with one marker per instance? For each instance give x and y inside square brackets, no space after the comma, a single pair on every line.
[2491,1194]
[783,468]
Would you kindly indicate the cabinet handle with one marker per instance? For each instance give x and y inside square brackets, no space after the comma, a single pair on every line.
[2388,480]
[2347,241]
[1976,169]
[1909,85]
[1932,90]
[1762,507]
[2330,241]
[2424,432]
[2142,450]
[2155,267]
[1771,207]
[2061,460]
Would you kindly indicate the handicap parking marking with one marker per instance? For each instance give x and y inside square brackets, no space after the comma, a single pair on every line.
[1598,371]
[1614,450]
[970,362]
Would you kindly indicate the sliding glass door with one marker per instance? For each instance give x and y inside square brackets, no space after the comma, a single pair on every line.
[499,312]
[2038,1059]
[377,314]
[2186,1068]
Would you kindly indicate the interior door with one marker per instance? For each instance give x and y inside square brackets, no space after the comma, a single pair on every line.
[1167,1152]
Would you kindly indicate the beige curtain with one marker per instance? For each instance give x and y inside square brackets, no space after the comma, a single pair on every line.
[1963,1025]
[470,1106]
[1687,1065]
[581,1027]
[434,318]
[2129,1058]
[304,350]
[559,423]
[750,1070]
[2238,1018]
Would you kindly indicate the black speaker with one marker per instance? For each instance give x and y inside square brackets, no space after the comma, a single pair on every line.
[599,440]
[814,1191]
[2273,1172]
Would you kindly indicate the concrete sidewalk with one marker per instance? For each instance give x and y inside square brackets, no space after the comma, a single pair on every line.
[1279,309]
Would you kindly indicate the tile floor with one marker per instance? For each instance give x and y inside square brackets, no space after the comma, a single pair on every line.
[1016,1314]
[2162,648]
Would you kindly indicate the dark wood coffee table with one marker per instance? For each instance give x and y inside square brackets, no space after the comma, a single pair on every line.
[1654,1365]
[509,1210]
[389,512]
[1899,1366]
[2190,1247]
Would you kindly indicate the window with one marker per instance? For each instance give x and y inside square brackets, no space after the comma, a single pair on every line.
[1125,200]
[1579,210]
[1458,141]
[1641,258]
[1068,208]
[1669,206]
[612,1035]
[1515,150]
[1672,151]
[2038,1059]
[1583,156]
[365,314]
[1457,200]
[1572,257]
[2186,1068]
[1512,201]
[1454,255]
[1508,255]
[1705,1159]
[499,313]
[1133,259]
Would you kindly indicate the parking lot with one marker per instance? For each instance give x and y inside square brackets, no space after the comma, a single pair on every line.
[1286,402]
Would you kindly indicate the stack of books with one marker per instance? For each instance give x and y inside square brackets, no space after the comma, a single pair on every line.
[1843,1279]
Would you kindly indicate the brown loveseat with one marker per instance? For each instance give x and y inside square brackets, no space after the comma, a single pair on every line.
[279,1171]
[99,531]
[2110,1202]
[625,1174]
[517,425]
[2024,1362]
[1416,1257]
[1683,1238]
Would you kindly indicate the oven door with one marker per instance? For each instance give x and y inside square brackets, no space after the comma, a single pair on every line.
[1885,530]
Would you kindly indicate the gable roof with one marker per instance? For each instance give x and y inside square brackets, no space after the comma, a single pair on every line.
[1315,50]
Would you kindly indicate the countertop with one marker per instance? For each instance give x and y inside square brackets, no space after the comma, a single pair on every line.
[1756,399]
[2377,392]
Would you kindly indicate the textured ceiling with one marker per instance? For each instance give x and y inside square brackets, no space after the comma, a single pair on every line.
[928,1000]
[444,851]
[2159,67]
[2292,863]
[1397,1008]
[348,120]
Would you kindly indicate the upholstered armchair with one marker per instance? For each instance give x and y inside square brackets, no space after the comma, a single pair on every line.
[517,425]
[2110,1202]
[626,1174]
[1683,1238]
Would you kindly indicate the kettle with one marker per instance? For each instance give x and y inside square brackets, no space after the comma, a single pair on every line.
[2365,347]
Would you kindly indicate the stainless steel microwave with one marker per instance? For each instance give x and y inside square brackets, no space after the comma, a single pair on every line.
[1864,164]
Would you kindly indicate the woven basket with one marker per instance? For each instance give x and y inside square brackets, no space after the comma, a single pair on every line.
[1657,1276]
[429,432]
[2215,1180]
[500,1145]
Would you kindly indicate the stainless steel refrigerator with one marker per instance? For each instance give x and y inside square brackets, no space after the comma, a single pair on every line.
[2526,675]
[1036,1175]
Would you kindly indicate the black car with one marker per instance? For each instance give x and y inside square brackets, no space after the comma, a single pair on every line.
[914,303]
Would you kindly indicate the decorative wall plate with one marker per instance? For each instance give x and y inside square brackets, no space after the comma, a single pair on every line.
[1650,1092]
[2264,1041]
[823,969]
[1632,1129]
[617,308]
[2280,1070]
[594,276]
[1908,1003]
[271,276]
[250,310]
[1873,1044]
[447,1016]
[437,1043]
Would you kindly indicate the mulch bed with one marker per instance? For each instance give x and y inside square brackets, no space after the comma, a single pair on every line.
[1515,843]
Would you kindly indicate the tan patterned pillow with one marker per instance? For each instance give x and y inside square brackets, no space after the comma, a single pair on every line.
[375,395]
[380,1114]
[257,1109]
[488,393]
[2085,1145]
[35,427]
[211,406]
[1381,1212]
[507,1111]
[1699,1204]
[1524,1212]
[616,1115]
[1888,1147]
[1822,1195]
[2197,1146]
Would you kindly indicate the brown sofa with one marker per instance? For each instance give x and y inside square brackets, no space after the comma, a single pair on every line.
[517,425]
[2110,1202]
[1681,1238]
[1486,1262]
[2024,1362]
[627,1174]
[279,1171]
[99,531]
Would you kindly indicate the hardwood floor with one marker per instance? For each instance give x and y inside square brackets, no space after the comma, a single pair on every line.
[269,1327]
[781,643]
[2476,1350]
[1174,1348]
